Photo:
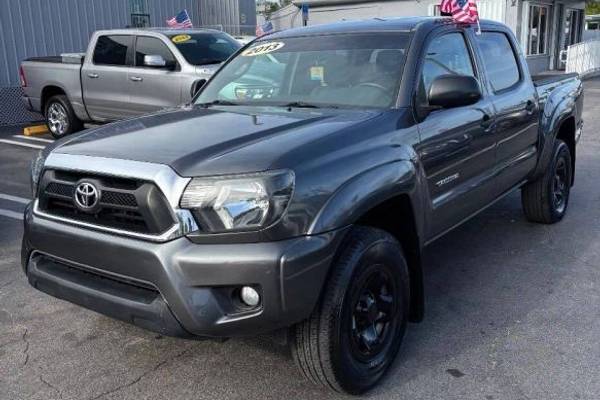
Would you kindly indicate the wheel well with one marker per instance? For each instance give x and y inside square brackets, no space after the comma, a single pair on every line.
[566,133]
[396,216]
[47,93]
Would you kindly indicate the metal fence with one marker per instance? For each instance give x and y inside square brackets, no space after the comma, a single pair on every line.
[584,58]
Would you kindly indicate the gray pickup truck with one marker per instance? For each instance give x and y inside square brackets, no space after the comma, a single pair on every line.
[306,198]
[124,73]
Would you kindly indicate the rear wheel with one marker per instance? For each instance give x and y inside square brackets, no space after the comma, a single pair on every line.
[60,117]
[546,199]
[354,334]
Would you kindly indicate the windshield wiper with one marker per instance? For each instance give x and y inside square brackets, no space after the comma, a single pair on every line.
[210,62]
[218,103]
[302,104]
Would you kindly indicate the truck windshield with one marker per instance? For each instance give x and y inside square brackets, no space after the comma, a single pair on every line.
[342,70]
[205,48]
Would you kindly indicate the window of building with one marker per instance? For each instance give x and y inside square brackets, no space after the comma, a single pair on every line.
[112,50]
[538,30]
[139,13]
[146,46]
[593,26]
[499,60]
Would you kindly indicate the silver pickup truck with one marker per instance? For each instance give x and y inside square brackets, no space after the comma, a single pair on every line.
[124,73]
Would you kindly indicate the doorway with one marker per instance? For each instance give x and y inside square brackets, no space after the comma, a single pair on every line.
[570,24]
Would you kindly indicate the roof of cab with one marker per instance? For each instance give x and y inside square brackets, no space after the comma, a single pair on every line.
[402,24]
[163,31]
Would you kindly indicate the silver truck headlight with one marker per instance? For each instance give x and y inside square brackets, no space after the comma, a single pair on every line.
[239,202]
[37,166]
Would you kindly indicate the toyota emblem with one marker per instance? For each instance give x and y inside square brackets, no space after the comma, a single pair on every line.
[86,196]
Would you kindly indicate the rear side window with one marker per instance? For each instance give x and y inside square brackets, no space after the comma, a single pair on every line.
[446,55]
[499,60]
[112,50]
[147,46]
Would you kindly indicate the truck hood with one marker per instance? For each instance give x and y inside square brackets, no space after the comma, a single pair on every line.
[197,141]
[208,69]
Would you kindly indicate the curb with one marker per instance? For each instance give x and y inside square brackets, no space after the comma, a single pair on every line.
[35,130]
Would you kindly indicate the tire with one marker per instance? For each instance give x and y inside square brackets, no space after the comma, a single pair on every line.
[60,117]
[546,199]
[370,269]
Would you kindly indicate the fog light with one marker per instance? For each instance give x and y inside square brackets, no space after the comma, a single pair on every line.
[250,296]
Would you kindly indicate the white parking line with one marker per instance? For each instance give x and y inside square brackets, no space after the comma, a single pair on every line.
[11,214]
[33,146]
[16,199]
[33,138]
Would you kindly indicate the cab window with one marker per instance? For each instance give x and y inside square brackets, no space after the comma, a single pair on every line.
[113,50]
[146,46]
[499,60]
[446,55]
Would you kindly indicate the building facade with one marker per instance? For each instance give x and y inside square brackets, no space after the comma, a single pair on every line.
[35,28]
[544,27]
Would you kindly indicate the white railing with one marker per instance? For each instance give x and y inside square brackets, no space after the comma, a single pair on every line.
[584,58]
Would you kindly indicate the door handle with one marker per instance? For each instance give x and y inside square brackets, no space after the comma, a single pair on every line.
[486,122]
[530,107]
[136,78]
[93,75]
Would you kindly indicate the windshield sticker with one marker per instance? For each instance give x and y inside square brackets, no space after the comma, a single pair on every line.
[317,73]
[264,48]
[180,38]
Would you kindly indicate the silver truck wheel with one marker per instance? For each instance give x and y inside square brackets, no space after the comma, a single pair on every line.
[60,117]
[57,119]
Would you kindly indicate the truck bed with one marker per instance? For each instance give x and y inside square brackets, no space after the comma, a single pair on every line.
[545,84]
[546,79]
[66,58]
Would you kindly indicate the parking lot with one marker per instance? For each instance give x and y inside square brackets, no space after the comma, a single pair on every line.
[513,312]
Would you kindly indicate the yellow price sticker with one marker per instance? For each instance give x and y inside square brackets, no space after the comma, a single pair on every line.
[180,38]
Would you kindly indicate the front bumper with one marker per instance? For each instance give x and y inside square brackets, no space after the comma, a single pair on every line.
[178,288]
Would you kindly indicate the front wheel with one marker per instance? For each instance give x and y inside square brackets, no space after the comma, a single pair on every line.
[546,199]
[355,332]
[60,117]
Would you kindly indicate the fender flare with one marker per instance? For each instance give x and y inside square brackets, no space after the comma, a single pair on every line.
[366,191]
[363,192]
[552,126]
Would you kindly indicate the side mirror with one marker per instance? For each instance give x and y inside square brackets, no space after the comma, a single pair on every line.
[154,61]
[196,86]
[449,91]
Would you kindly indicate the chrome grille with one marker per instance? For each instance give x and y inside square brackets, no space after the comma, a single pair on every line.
[125,204]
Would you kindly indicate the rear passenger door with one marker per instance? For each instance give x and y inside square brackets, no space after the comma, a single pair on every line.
[104,78]
[154,88]
[457,148]
[516,107]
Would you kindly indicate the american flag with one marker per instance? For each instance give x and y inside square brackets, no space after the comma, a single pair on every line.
[263,29]
[182,20]
[464,11]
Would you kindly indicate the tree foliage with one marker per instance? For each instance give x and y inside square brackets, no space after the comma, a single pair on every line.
[592,7]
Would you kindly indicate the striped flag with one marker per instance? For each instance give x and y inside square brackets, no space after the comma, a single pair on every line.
[181,20]
[464,11]
[263,29]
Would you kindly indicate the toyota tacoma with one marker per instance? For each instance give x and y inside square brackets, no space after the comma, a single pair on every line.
[302,201]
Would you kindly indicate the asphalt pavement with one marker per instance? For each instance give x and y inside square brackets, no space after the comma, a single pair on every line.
[513,312]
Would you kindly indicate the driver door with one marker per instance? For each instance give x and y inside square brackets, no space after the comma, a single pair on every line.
[154,88]
[457,147]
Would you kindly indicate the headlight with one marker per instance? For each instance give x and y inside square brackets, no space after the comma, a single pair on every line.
[37,166]
[239,202]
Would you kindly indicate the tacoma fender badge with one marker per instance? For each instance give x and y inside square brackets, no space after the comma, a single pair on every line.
[447,180]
